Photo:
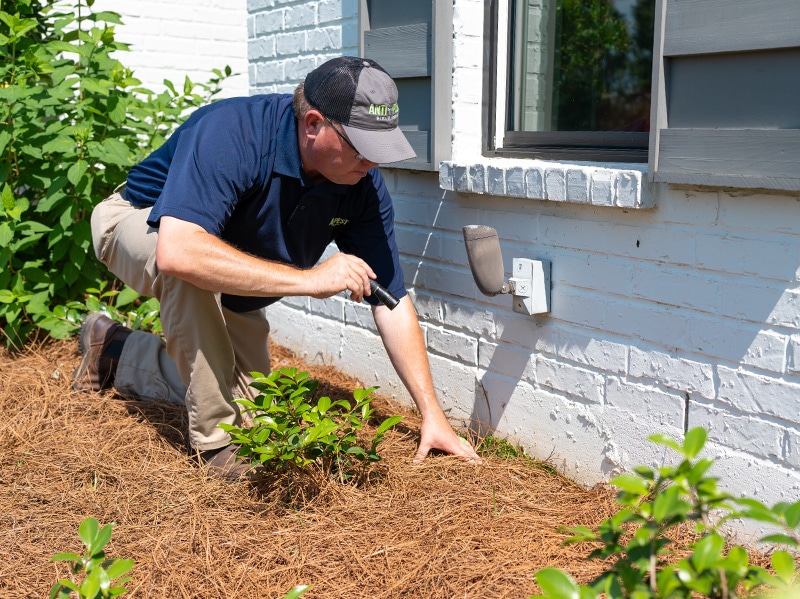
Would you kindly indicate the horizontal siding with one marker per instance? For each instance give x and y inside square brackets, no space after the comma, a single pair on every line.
[708,26]
[747,158]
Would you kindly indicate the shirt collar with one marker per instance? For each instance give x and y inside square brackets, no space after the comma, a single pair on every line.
[287,160]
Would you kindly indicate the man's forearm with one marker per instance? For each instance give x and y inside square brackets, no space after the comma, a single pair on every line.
[405,345]
[187,251]
[402,337]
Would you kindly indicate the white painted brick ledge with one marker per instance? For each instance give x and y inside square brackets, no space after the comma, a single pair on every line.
[623,187]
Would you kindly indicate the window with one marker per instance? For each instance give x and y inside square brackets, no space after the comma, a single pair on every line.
[572,79]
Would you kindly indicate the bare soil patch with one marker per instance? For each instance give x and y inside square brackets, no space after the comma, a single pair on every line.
[440,529]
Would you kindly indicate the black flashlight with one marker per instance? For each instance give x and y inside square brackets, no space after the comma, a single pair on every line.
[383,294]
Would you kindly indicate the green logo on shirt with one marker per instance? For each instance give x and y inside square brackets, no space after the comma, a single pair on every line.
[335,222]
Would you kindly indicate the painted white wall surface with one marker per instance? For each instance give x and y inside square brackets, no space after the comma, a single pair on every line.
[681,310]
[170,40]
[287,39]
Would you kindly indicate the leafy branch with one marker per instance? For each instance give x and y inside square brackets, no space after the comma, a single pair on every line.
[290,431]
[101,576]
[73,120]
[636,543]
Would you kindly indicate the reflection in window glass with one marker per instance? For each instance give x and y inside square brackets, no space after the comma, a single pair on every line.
[580,65]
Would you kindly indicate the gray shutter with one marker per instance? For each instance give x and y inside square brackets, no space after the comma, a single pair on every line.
[726,83]
[412,40]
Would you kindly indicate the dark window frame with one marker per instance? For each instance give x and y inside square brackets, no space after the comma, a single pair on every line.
[589,146]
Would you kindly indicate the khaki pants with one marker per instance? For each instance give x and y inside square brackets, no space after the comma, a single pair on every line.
[209,350]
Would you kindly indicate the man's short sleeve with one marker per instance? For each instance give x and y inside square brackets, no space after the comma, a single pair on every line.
[215,162]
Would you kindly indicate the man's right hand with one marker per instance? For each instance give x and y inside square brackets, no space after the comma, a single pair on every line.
[341,272]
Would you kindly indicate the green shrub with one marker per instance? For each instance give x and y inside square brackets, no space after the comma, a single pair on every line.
[635,541]
[73,120]
[291,431]
[99,573]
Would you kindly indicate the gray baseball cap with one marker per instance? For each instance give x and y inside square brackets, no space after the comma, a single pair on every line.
[360,95]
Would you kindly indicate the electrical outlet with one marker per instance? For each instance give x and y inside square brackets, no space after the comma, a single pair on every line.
[531,286]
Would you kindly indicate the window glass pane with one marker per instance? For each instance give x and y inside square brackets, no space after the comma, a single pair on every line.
[580,65]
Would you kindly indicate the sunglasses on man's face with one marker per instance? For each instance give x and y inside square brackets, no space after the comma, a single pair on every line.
[347,141]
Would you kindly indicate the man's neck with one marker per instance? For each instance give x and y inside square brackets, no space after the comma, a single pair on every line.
[311,173]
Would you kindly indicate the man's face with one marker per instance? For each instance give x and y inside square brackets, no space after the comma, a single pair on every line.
[326,152]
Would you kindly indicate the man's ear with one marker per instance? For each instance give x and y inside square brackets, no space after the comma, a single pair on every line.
[312,123]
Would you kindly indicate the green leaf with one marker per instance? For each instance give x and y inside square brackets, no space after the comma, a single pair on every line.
[126,296]
[88,531]
[117,109]
[70,273]
[295,592]
[557,584]
[120,567]
[9,203]
[756,510]
[5,137]
[61,46]
[102,538]
[780,539]
[324,404]
[96,86]
[580,534]
[76,171]
[361,394]
[693,442]
[90,586]
[784,565]
[631,483]
[792,515]
[387,424]
[707,552]
[107,16]
[699,470]
[65,557]
[662,439]
[737,560]
[63,589]
[61,144]
[669,504]
[6,234]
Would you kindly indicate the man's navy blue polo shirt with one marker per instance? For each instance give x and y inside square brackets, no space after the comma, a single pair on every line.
[234,169]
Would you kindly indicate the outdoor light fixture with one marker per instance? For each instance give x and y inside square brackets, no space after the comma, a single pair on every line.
[530,283]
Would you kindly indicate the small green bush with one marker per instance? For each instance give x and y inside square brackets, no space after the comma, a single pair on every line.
[635,541]
[290,431]
[99,573]
[73,120]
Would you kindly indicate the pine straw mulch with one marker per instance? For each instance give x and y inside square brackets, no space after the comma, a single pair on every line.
[443,528]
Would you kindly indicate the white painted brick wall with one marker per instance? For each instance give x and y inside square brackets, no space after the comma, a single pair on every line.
[170,40]
[288,38]
[690,303]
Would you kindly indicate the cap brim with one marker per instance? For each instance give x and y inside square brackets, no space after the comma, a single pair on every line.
[381,147]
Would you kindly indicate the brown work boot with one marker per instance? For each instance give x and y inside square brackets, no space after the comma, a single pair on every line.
[222,463]
[101,341]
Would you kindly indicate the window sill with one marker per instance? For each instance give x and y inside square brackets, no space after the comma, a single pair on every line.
[611,185]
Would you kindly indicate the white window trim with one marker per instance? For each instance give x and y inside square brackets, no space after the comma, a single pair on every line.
[610,185]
